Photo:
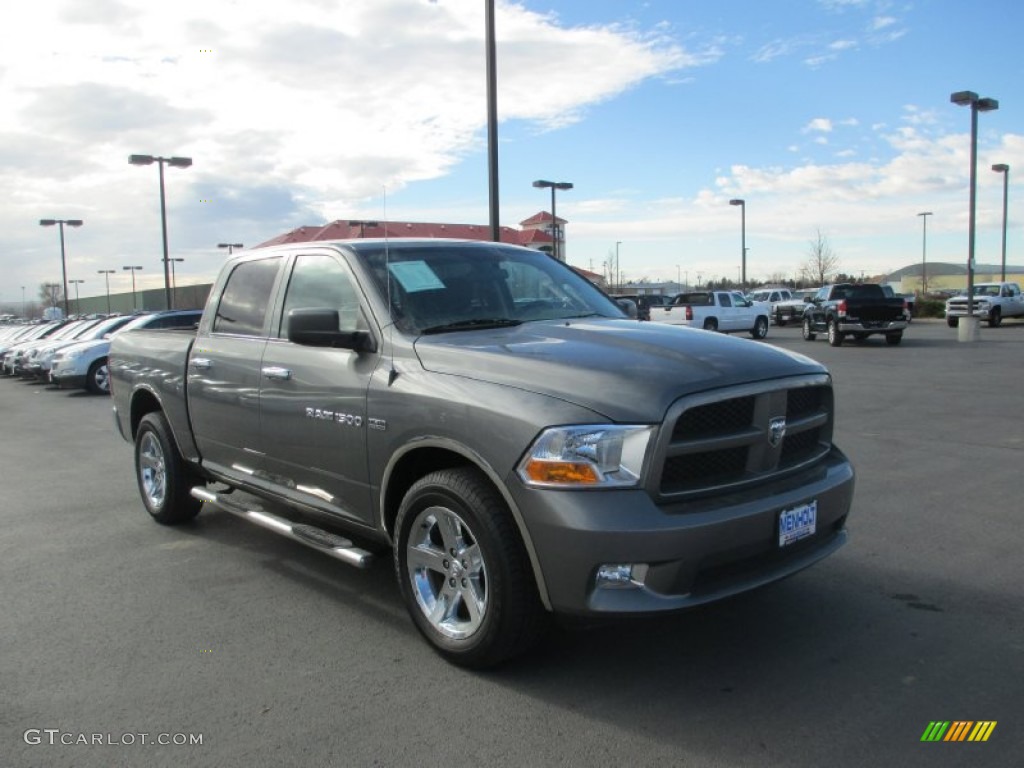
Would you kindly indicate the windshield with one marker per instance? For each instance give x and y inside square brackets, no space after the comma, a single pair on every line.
[986,290]
[448,286]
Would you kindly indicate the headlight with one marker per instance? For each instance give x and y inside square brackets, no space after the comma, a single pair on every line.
[591,456]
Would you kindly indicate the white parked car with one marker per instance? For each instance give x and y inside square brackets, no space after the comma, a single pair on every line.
[723,311]
[85,364]
[992,302]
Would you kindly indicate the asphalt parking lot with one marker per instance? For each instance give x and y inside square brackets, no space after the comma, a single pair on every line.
[114,627]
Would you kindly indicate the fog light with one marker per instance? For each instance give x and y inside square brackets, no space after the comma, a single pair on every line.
[621,575]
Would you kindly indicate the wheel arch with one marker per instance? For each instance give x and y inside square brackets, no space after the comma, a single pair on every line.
[430,454]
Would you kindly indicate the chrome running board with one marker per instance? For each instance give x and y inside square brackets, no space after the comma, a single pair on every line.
[323,541]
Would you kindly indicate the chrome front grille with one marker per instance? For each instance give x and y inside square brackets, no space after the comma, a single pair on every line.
[724,440]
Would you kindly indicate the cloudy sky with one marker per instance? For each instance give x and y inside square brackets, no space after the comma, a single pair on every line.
[824,115]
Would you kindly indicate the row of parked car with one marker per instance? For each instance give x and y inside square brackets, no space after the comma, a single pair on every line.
[73,353]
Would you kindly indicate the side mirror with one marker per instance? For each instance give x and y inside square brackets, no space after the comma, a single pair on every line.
[319,328]
[628,306]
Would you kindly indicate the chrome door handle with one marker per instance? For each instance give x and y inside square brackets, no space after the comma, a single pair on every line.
[202,363]
[273,372]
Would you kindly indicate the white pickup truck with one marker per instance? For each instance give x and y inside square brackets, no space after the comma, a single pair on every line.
[992,302]
[725,311]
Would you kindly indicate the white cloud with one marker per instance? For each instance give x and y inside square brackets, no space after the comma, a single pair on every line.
[818,125]
[326,102]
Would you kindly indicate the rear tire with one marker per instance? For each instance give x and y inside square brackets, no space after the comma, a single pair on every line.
[835,336]
[164,479]
[463,570]
[808,330]
[711,324]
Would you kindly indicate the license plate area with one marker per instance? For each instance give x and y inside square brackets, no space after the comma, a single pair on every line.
[797,523]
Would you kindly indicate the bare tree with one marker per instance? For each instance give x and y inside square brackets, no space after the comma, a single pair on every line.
[821,262]
[51,294]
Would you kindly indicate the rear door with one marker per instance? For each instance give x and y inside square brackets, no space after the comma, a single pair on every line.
[726,312]
[223,369]
[313,399]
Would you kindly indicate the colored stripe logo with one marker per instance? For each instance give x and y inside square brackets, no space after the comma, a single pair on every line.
[958,730]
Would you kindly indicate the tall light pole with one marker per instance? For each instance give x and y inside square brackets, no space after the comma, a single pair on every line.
[1004,169]
[543,184]
[616,278]
[231,246]
[924,251]
[174,287]
[106,276]
[492,119]
[679,279]
[970,99]
[23,301]
[63,259]
[743,239]
[135,302]
[176,162]
[78,303]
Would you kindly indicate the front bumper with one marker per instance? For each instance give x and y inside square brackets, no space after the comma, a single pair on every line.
[696,552]
[68,373]
[961,311]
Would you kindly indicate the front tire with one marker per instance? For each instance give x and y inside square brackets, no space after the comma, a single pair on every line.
[995,318]
[97,380]
[894,338]
[835,336]
[760,329]
[163,478]
[951,322]
[463,570]
[808,330]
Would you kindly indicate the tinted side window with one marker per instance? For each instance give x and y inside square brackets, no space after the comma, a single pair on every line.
[320,282]
[724,300]
[244,304]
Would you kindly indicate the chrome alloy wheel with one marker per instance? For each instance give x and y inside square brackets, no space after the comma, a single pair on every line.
[447,572]
[152,470]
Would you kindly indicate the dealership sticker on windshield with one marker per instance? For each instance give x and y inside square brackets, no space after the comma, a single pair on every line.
[798,523]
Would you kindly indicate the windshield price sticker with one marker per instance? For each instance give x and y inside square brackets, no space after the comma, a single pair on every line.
[798,523]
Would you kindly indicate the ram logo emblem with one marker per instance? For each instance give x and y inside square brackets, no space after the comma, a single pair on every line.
[776,431]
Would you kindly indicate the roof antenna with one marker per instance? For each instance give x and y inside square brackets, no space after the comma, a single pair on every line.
[392,374]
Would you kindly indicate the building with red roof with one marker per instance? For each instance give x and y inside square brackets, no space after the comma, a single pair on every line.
[535,232]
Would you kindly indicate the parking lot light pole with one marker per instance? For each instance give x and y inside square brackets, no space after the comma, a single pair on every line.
[176,162]
[924,251]
[106,276]
[1004,169]
[174,287]
[78,303]
[543,184]
[135,302]
[231,246]
[743,240]
[970,99]
[63,258]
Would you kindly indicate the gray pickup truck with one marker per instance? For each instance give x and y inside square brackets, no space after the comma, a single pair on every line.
[493,420]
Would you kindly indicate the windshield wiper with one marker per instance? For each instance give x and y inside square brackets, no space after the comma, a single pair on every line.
[473,324]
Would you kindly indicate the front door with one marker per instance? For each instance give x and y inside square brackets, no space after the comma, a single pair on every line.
[313,399]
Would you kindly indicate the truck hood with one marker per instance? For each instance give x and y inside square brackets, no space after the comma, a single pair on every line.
[625,370]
